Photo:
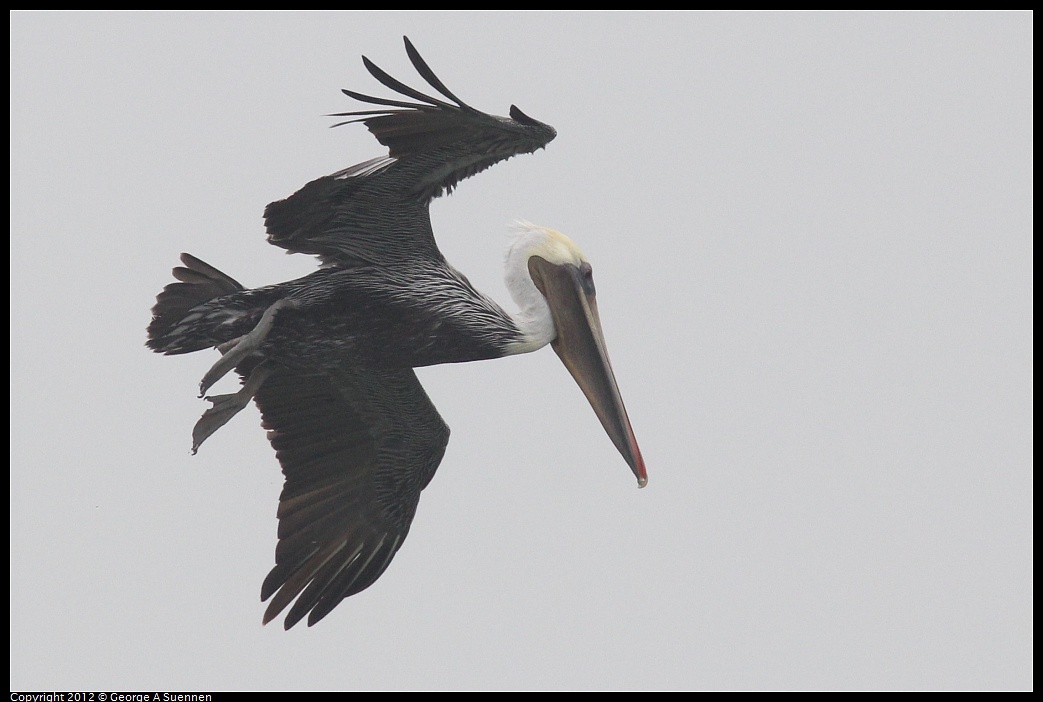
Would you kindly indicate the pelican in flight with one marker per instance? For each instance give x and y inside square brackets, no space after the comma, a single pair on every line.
[329,358]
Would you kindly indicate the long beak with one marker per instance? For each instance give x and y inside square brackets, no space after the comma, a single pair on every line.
[580,345]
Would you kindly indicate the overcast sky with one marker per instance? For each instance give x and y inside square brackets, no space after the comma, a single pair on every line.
[812,240]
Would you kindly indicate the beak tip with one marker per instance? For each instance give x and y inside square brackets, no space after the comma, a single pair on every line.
[638,464]
[639,471]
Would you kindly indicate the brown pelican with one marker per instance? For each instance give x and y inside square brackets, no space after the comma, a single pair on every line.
[329,358]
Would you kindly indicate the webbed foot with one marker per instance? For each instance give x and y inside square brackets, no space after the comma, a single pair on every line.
[227,406]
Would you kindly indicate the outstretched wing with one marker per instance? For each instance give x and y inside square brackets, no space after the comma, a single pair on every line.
[377,211]
[356,446]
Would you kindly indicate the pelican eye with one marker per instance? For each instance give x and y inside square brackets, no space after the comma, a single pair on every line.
[586,276]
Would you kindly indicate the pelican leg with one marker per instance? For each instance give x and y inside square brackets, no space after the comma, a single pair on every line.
[241,347]
[227,406]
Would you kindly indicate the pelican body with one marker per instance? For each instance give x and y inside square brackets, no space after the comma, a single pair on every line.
[329,358]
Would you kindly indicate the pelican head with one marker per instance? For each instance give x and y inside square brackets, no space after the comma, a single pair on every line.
[553,285]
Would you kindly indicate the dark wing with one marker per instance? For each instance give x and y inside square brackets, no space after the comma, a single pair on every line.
[377,211]
[356,447]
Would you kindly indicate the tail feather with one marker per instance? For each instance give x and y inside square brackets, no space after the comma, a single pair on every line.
[199,283]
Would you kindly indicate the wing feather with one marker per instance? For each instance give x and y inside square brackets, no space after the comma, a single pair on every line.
[427,74]
[399,87]
[356,447]
[377,212]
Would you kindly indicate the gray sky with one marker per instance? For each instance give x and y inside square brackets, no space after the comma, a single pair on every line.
[812,238]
